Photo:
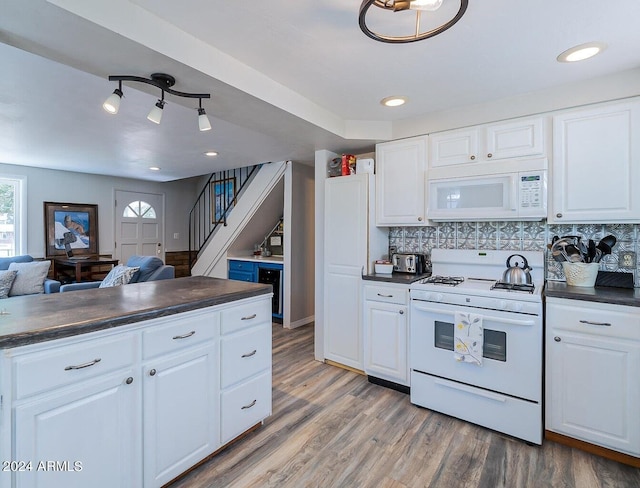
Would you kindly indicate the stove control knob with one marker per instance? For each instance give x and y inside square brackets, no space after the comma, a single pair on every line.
[517,307]
[503,304]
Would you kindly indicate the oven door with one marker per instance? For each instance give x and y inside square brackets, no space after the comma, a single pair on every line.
[512,350]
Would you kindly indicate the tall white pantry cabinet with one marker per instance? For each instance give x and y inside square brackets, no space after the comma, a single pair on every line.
[352,243]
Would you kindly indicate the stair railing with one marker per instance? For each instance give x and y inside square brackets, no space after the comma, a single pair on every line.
[214,204]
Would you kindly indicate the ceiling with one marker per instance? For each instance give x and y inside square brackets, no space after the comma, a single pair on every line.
[286,78]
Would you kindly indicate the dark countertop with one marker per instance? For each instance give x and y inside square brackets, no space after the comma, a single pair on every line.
[601,294]
[37,318]
[402,278]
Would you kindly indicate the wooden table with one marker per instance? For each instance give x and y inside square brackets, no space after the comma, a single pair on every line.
[78,266]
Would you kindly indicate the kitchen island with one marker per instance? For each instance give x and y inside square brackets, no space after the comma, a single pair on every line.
[133,385]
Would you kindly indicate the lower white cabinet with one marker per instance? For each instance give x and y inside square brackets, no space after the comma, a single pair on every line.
[135,405]
[592,364]
[386,328]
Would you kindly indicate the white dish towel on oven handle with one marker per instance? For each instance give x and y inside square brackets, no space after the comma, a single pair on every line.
[468,338]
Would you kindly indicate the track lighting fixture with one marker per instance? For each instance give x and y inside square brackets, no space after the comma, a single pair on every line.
[164,82]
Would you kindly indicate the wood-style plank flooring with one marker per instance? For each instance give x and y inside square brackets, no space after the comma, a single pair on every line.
[332,428]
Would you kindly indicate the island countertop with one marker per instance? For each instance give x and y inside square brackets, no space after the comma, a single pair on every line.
[37,318]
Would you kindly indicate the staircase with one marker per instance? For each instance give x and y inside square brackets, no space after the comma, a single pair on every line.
[223,208]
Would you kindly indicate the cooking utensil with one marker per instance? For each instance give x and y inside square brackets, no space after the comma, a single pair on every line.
[516,275]
[591,254]
[609,241]
[574,253]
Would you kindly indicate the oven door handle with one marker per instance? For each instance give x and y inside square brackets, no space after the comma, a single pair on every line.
[527,323]
[473,391]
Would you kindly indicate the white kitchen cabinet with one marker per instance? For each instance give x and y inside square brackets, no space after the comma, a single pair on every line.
[596,164]
[592,364]
[76,403]
[245,372]
[490,142]
[401,170]
[180,412]
[90,427]
[386,329]
[135,405]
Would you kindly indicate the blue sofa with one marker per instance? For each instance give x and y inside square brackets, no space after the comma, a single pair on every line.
[50,286]
[151,269]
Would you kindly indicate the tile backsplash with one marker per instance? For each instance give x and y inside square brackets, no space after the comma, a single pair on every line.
[518,236]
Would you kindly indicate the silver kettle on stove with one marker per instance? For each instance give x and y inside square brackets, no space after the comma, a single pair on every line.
[517,275]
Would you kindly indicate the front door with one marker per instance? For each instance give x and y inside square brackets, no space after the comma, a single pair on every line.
[139,221]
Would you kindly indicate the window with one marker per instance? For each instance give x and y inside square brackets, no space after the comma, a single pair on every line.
[13,196]
[139,209]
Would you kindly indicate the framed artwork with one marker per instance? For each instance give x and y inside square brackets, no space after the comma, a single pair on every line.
[222,199]
[70,228]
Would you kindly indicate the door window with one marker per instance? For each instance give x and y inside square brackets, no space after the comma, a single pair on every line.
[139,209]
[494,342]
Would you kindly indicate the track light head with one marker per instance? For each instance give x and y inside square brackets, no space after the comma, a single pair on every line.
[203,120]
[112,104]
[155,115]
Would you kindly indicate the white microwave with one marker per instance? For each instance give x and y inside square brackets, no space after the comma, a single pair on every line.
[508,196]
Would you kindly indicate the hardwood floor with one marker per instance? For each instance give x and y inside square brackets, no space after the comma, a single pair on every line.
[332,428]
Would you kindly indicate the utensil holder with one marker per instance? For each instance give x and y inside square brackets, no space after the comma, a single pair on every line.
[580,274]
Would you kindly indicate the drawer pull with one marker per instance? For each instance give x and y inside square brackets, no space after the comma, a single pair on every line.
[185,336]
[248,355]
[249,317]
[385,296]
[85,365]
[602,324]
[250,405]
[129,380]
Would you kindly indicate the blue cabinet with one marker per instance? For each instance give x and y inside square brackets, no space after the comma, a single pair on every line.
[258,272]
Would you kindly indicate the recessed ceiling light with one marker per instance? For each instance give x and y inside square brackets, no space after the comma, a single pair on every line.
[154,168]
[583,51]
[211,153]
[393,101]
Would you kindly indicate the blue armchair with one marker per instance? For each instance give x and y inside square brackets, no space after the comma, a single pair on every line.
[50,286]
[151,269]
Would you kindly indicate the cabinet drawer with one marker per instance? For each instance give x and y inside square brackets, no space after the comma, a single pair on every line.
[241,266]
[245,315]
[602,319]
[245,354]
[241,276]
[244,406]
[389,294]
[62,365]
[179,331]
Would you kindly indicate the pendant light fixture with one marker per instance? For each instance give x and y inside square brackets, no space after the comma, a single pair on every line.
[164,82]
[419,6]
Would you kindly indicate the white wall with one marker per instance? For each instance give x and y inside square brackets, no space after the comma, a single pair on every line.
[44,185]
[300,262]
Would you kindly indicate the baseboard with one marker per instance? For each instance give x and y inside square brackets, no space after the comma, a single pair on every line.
[389,384]
[343,366]
[592,448]
[301,322]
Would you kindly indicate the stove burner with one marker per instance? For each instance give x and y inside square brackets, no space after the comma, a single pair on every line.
[499,285]
[444,280]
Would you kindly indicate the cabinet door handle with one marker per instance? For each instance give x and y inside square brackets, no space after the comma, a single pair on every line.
[602,324]
[401,312]
[249,317]
[152,372]
[489,155]
[557,339]
[84,365]
[385,296]
[559,215]
[129,380]
[472,158]
[248,355]
[250,405]
[184,336]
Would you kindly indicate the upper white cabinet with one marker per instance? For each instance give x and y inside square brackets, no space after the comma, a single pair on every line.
[502,140]
[401,168]
[596,164]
